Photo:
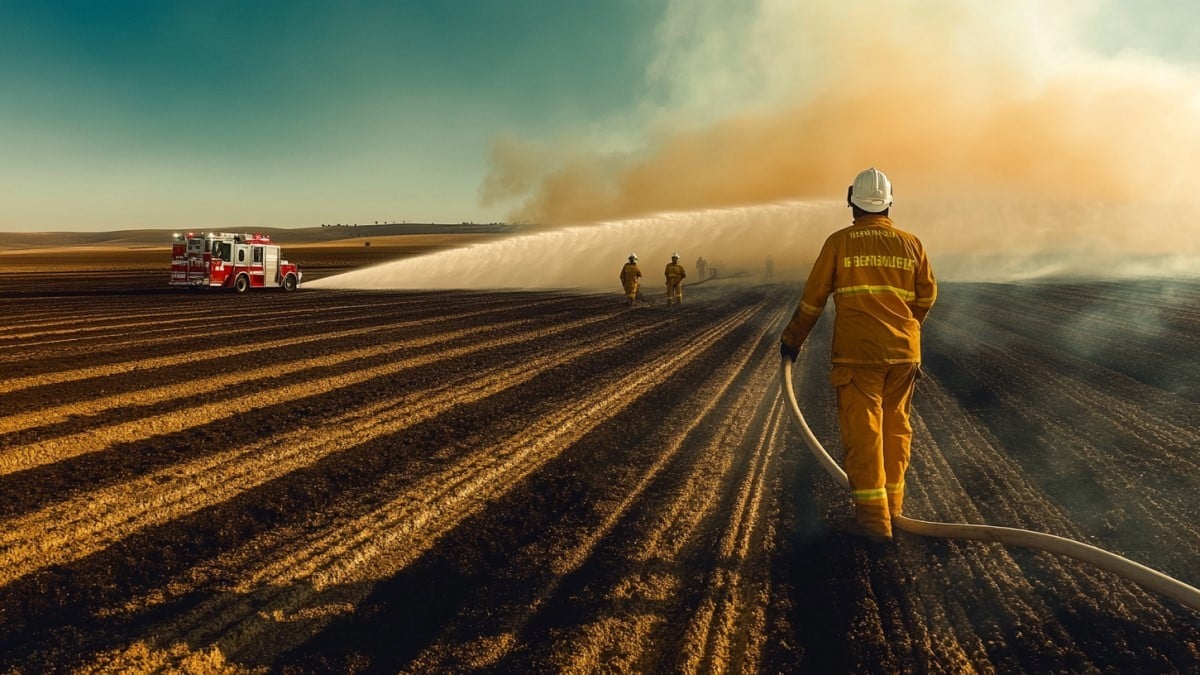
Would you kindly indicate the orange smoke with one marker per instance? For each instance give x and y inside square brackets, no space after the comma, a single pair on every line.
[952,101]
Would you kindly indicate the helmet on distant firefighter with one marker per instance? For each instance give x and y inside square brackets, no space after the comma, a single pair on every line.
[675,257]
[871,191]
[632,257]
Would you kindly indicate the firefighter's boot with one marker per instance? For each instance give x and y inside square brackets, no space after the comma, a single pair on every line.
[854,528]
[872,517]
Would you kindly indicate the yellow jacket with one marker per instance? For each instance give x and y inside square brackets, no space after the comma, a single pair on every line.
[674,273]
[629,276]
[882,287]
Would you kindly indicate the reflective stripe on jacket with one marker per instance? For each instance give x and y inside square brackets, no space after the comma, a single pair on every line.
[882,287]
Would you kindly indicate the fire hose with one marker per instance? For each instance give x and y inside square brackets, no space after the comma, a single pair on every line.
[1148,578]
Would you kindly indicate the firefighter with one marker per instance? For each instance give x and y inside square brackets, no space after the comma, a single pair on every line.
[675,275]
[630,274]
[882,287]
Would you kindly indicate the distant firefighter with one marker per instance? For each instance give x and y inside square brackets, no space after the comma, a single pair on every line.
[630,274]
[675,275]
[701,267]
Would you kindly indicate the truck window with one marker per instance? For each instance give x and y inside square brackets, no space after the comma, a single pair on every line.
[258,254]
[241,255]
[220,251]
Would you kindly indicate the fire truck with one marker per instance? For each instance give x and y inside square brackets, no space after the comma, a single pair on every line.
[237,261]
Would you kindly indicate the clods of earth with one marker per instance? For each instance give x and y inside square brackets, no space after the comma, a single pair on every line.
[334,481]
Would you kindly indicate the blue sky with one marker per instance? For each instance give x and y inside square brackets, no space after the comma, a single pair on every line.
[137,114]
[120,115]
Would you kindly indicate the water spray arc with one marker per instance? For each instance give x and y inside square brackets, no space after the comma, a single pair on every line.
[1148,578]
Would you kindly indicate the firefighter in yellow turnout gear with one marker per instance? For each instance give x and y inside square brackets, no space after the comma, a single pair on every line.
[630,276]
[675,275]
[882,287]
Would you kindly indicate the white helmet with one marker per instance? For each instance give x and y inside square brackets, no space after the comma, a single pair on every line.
[674,256]
[632,257]
[872,191]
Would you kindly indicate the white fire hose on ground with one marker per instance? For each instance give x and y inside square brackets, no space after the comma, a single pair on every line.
[1138,573]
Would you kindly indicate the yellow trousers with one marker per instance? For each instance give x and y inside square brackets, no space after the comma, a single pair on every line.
[631,290]
[873,410]
[674,291]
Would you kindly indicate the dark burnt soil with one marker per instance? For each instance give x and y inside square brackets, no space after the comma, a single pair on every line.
[330,481]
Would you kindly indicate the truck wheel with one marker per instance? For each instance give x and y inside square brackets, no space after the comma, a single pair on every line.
[289,282]
[241,283]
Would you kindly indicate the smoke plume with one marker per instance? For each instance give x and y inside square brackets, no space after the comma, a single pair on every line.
[955,100]
[1015,152]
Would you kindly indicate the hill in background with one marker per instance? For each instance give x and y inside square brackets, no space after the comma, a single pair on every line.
[301,235]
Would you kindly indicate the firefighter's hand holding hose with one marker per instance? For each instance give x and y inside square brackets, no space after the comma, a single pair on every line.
[788,352]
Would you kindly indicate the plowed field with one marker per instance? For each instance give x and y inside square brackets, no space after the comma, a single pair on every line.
[331,481]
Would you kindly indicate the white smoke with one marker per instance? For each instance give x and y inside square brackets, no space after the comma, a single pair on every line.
[965,242]
[591,256]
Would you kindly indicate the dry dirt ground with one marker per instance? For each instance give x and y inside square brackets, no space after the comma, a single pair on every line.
[332,481]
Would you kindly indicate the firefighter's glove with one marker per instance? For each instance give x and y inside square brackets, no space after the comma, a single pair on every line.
[788,352]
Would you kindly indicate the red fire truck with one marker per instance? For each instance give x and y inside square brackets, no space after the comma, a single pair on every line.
[237,261]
